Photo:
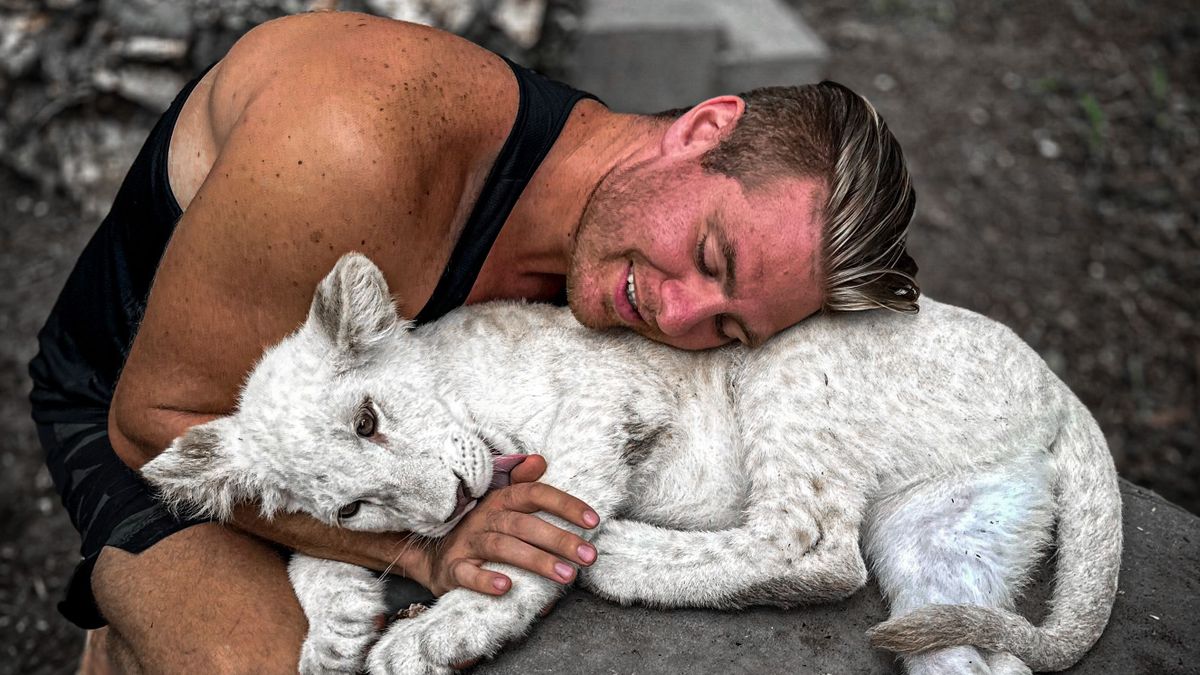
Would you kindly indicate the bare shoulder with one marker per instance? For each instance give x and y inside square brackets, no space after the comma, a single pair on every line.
[407,79]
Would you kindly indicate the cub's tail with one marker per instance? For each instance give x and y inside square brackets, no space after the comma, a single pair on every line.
[1089,558]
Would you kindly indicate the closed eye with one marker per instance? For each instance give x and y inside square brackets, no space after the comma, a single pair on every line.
[701,263]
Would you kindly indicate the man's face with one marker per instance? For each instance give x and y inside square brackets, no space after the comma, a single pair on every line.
[710,261]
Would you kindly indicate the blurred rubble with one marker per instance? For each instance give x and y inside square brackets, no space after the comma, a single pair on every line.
[83,81]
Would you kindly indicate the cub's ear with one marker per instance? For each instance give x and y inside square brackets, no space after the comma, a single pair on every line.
[352,307]
[207,471]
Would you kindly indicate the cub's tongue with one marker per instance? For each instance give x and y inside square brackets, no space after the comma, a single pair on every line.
[502,466]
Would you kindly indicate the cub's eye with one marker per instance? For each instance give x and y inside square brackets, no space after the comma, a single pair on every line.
[349,511]
[364,423]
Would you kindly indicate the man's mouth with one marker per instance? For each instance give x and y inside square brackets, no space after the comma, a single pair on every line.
[631,290]
[626,299]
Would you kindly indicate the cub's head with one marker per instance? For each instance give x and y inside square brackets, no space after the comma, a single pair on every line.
[343,420]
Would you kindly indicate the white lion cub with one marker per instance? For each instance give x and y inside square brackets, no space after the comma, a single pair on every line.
[938,447]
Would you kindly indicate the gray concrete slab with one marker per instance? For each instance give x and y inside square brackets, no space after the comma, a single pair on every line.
[766,43]
[1155,627]
[646,56]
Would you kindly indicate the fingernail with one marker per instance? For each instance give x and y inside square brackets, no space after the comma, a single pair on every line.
[564,571]
[500,583]
[586,553]
[590,518]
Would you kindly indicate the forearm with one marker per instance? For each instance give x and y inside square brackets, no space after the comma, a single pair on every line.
[397,553]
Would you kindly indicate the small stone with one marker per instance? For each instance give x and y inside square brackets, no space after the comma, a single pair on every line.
[161,18]
[403,10]
[20,45]
[1048,148]
[155,49]
[1011,80]
[40,209]
[521,20]
[978,115]
[154,88]
[884,82]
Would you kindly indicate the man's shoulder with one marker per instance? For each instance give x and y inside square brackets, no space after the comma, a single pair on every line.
[402,120]
[399,80]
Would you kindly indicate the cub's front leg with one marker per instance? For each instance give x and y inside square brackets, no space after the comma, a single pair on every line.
[342,602]
[462,626]
[798,545]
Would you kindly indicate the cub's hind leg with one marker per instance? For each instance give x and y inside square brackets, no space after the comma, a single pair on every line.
[961,539]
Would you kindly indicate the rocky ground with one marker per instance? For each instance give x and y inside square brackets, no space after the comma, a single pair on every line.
[1056,151]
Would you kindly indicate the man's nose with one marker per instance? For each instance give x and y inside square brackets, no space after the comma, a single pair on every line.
[685,305]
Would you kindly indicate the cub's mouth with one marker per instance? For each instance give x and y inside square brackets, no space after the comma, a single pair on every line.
[502,466]
[462,499]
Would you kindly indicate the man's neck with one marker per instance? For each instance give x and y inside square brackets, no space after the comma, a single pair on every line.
[540,232]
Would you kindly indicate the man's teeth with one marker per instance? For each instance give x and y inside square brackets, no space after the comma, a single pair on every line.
[630,291]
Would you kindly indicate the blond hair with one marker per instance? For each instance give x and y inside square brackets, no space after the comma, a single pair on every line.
[827,131]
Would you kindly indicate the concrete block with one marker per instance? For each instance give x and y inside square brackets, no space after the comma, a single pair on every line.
[645,56]
[767,43]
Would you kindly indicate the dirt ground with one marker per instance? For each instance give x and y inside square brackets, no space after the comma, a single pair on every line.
[1056,152]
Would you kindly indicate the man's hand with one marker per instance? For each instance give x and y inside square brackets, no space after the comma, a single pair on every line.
[501,529]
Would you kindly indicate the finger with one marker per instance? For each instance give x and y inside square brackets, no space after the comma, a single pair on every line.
[533,497]
[547,609]
[537,532]
[502,548]
[463,665]
[469,574]
[529,470]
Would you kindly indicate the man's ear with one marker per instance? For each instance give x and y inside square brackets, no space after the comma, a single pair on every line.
[704,126]
[352,307]
[206,472]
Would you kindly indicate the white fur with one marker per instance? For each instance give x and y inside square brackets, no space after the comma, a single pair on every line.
[938,447]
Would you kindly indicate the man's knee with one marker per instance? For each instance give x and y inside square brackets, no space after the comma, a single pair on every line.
[206,599]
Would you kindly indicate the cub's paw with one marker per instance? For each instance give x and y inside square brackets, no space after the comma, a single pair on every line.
[1003,663]
[949,661]
[401,652]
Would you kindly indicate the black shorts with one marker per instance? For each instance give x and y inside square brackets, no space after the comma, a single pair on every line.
[109,504]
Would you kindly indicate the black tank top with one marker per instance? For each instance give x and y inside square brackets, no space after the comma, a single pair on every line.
[87,336]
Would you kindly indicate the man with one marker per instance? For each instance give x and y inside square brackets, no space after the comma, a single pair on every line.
[325,133]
